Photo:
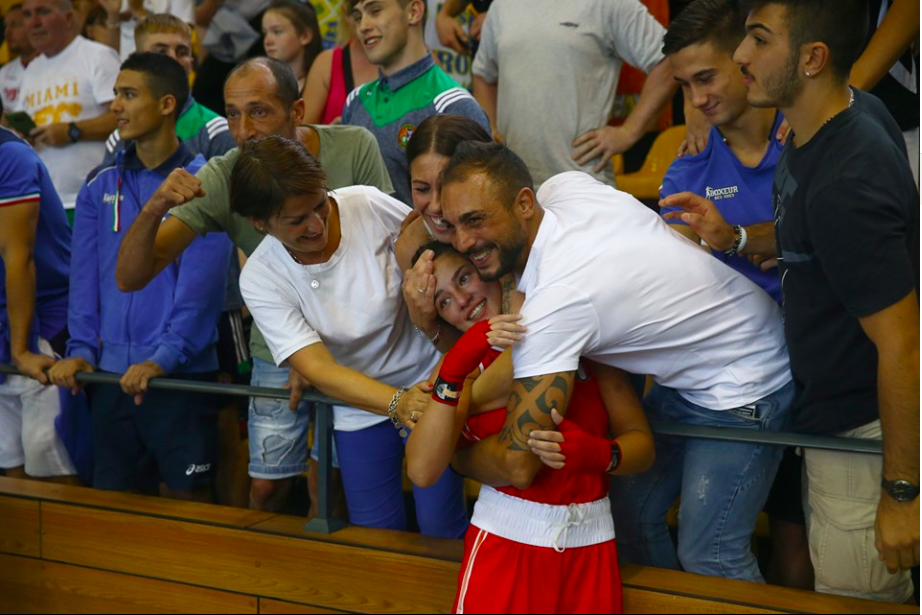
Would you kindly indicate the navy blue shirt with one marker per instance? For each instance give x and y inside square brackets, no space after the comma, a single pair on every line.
[847,229]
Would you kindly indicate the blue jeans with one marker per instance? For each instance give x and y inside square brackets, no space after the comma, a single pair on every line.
[371,462]
[723,486]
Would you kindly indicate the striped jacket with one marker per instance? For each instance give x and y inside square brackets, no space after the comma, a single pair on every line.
[392,107]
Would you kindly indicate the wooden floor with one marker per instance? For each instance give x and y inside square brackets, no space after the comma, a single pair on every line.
[73,550]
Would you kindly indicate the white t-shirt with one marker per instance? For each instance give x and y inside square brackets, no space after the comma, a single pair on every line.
[72,86]
[355,306]
[556,65]
[609,280]
[11,75]
[184,9]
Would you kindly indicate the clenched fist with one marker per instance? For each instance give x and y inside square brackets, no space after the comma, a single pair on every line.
[179,187]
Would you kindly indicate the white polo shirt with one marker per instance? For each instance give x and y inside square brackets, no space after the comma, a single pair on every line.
[609,280]
[352,303]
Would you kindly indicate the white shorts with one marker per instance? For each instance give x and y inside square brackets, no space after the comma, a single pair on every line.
[27,434]
[543,525]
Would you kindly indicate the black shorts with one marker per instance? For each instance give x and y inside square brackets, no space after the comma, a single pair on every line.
[784,500]
[176,430]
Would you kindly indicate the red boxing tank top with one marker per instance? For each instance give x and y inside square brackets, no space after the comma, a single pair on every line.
[556,487]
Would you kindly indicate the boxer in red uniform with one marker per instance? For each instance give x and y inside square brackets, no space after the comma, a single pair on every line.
[547,548]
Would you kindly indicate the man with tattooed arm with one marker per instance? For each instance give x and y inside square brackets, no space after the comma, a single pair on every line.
[605,278]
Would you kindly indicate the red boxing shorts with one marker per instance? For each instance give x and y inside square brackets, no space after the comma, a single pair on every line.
[537,567]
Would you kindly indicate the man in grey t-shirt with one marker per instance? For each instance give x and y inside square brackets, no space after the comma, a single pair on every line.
[568,55]
[262,99]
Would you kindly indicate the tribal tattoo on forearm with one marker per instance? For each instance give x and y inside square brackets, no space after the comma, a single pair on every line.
[530,403]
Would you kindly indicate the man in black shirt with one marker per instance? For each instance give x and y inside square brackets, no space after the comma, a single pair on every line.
[846,236]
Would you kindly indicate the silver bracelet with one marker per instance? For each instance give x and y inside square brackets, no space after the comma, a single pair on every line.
[392,412]
[435,339]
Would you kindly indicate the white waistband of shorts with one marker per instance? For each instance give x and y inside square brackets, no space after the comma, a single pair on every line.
[543,525]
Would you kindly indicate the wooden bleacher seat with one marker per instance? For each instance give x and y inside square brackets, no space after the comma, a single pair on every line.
[77,550]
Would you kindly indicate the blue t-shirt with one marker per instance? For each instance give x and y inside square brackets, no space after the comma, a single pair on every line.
[743,195]
[24,180]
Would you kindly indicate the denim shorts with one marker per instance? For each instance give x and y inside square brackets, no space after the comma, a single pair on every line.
[278,436]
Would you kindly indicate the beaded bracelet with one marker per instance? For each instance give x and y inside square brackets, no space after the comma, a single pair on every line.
[740,239]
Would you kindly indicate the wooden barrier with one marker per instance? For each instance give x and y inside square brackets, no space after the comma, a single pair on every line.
[37,586]
[69,549]
[19,527]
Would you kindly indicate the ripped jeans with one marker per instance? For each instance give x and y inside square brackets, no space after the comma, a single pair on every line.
[278,436]
[723,487]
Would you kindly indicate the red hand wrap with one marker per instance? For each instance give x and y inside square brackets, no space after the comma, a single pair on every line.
[584,451]
[464,357]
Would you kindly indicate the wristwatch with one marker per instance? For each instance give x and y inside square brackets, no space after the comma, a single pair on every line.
[900,490]
[74,132]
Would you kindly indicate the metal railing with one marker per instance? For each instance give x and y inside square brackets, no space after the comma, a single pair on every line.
[325,523]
